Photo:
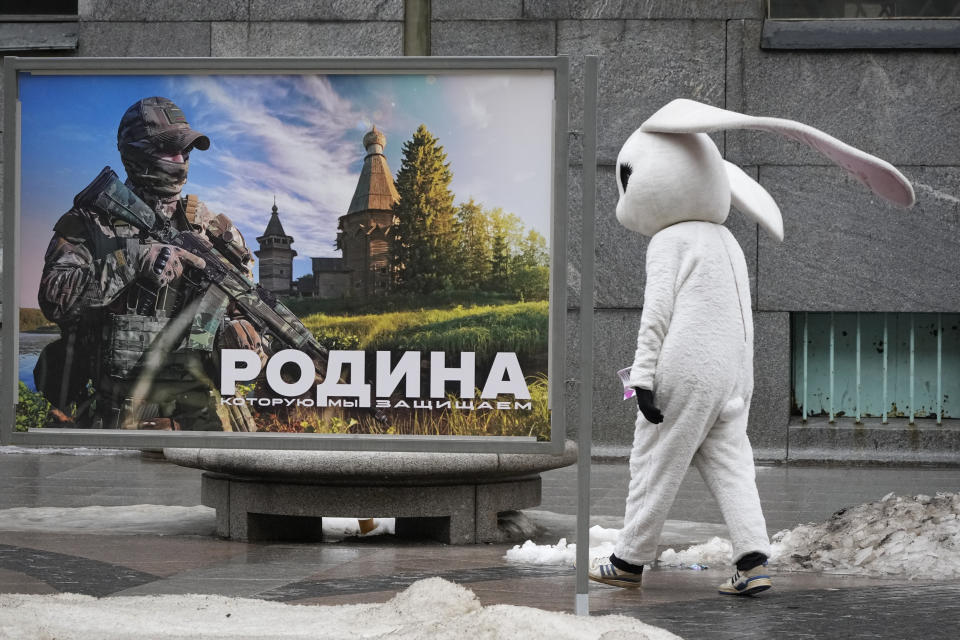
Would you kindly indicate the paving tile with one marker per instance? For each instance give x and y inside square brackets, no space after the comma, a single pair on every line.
[69,573]
[17,582]
[871,612]
[553,593]
[790,495]
[54,480]
[401,580]
[160,556]
[802,605]
[366,597]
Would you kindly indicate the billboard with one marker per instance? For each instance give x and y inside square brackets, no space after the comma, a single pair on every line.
[335,253]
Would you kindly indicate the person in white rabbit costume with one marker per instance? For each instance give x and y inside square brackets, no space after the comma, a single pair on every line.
[693,370]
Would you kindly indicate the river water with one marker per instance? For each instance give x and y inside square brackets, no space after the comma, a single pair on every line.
[31,344]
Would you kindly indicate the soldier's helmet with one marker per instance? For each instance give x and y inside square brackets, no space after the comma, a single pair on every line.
[149,130]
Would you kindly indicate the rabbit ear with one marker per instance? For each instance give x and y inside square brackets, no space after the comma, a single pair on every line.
[753,201]
[688,116]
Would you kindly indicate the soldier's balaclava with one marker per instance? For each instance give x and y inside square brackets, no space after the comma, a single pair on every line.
[150,129]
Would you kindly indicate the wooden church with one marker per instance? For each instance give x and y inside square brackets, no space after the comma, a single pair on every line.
[363,232]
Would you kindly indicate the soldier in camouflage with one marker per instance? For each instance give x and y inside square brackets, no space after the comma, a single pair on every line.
[130,352]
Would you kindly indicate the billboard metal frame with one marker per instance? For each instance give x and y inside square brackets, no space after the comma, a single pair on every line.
[558,341]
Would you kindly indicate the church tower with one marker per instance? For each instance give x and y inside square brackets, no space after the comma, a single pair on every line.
[276,256]
[363,231]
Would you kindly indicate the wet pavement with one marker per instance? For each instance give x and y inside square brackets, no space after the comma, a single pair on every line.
[801,605]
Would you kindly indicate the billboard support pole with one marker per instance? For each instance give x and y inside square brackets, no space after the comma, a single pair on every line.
[9,341]
[585,427]
[416,27]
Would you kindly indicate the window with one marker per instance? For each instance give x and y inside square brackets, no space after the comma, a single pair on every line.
[34,8]
[876,365]
[820,9]
[30,26]
[871,24]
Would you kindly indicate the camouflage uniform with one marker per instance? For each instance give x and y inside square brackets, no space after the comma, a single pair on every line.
[151,359]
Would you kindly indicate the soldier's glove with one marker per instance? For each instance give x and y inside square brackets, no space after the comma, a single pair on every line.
[645,404]
[240,334]
[161,264]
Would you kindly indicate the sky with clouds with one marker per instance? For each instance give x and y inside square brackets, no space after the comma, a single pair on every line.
[293,137]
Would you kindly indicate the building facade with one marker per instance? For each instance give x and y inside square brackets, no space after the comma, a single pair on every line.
[887,86]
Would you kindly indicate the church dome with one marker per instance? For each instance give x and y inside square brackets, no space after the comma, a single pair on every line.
[375,188]
[374,137]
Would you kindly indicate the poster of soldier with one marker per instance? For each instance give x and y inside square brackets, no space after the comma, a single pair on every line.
[362,253]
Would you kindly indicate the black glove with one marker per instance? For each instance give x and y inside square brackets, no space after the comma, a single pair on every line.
[645,404]
[161,264]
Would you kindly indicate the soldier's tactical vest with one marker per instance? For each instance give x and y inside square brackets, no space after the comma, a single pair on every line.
[169,340]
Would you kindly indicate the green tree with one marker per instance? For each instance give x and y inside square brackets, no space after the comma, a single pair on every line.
[32,408]
[476,247]
[530,268]
[505,232]
[424,242]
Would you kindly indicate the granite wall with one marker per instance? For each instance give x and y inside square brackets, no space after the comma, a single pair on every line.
[844,249]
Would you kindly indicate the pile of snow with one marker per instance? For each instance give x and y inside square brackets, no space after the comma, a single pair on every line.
[432,608]
[601,544]
[602,541]
[714,552]
[134,519]
[916,537]
[150,519]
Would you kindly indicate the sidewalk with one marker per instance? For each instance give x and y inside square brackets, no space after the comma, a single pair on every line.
[802,605]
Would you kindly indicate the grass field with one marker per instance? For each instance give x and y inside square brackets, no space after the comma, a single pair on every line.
[486,329]
[395,302]
[533,422]
[520,327]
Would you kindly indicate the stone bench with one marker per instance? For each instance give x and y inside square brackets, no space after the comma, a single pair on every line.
[283,495]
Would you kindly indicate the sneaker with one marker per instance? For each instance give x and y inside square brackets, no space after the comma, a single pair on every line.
[602,570]
[747,583]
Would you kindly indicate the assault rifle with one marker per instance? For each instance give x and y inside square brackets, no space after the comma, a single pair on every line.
[224,270]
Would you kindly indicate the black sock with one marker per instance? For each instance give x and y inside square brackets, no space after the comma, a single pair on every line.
[623,565]
[749,561]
